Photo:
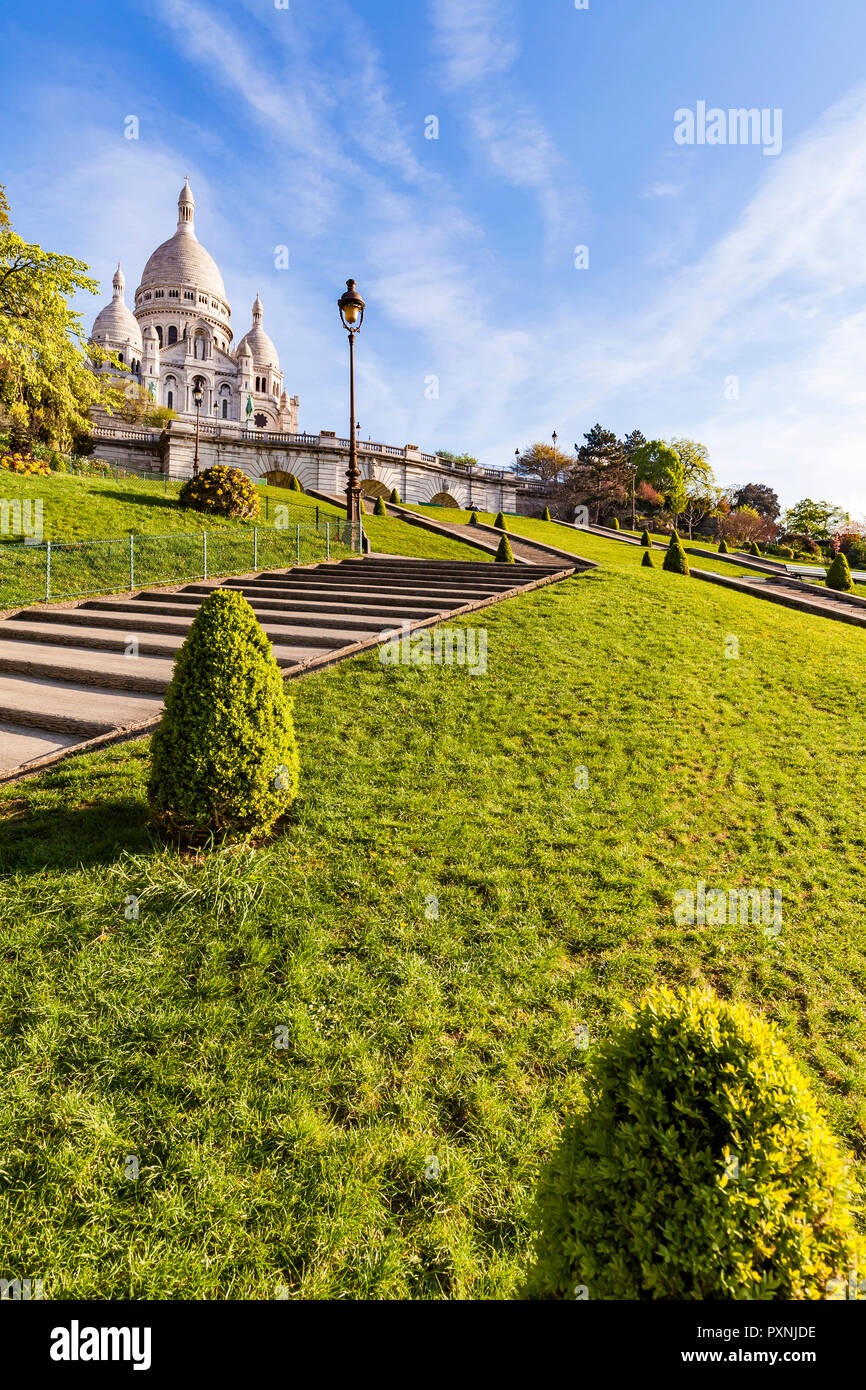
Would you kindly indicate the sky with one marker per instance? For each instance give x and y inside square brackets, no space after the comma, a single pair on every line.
[720,292]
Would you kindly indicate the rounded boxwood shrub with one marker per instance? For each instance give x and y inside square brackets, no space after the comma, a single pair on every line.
[222,491]
[473,520]
[224,758]
[500,522]
[648,562]
[395,497]
[646,539]
[839,575]
[545,515]
[675,560]
[379,509]
[723,547]
[701,1169]
[504,553]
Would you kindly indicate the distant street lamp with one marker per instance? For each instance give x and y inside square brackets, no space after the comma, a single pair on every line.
[198,397]
[351,307]
[556,470]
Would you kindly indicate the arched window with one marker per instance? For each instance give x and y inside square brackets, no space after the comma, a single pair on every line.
[170,400]
[172,335]
[120,356]
[159,334]
[225,409]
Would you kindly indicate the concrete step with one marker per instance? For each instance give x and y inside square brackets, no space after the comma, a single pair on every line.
[150,674]
[70,707]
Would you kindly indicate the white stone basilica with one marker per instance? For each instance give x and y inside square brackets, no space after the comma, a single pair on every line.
[179,336]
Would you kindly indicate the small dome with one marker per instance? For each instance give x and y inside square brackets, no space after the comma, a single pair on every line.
[245,350]
[116,323]
[264,353]
[150,333]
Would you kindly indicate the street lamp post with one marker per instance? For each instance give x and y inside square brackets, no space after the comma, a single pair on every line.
[198,397]
[351,307]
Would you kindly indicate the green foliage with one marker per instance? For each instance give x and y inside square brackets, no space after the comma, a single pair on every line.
[361,508]
[648,562]
[504,553]
[46,386]
[839,575]
[646,540]
[545,515]
[615,524]
[785,552]
[379,509]
[224,758]
[221,490]
[500,522]
[659,465]
[815,519]
[395,497]
[675,561]
[473,520]
[294,485]
[674,540]
[702,1168]
[723,547]
[753,548]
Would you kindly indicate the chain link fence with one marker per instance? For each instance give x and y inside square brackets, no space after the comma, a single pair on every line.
[54,570]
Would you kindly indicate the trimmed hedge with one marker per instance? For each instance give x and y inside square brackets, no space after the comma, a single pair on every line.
[839,575]
[701,1169]
[221,491]
[675,560]
[504,554]
[224,758]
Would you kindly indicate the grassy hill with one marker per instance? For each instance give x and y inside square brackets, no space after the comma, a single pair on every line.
[418,1028]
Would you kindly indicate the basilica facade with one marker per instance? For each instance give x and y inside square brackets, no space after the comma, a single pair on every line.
[179,336]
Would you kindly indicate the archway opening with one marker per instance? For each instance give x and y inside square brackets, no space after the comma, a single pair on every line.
[277,477]
[444,499]
[371,487]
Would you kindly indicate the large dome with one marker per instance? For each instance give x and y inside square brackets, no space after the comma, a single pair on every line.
[182,261]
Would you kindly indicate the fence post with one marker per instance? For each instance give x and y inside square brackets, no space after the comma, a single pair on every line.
[317,518]
[267,506]
[298,548]
[47,570]
[204,552]
[131,561]
[165,484]
[327,540]
[255,547]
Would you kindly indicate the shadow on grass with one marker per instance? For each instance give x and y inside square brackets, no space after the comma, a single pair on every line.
[59,837]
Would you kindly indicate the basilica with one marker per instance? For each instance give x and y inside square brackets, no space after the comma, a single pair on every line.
[179,338]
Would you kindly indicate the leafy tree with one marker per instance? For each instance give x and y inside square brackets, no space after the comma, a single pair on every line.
[46,386]
[759,496]
[815,519]
[633,441]
[543,462]
[745,525]
[702,500]
[602,471]
[657,464]
[134,404]
[463,460]
[695,459]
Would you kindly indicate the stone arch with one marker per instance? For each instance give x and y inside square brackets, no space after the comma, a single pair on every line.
[278,477]
[443,499]
[371,487]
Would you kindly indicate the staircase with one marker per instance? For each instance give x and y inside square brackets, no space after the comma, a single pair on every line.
[83,675]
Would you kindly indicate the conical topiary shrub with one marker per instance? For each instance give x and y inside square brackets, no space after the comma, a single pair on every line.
[723,547]
[500,522]
[294,485]
[648,562]
[839,574]
[224,758]
[675,560]
[646,539]
[395,497]
[615,524]
[754,549]
[361,508]
[675,539]
[504,554]
[379,509]
[701,1168]
[473,520]
[545,515]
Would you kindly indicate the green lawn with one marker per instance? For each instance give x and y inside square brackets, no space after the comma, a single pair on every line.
[392,536]
[412,1035]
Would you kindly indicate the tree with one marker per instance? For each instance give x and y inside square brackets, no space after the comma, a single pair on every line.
[657,464]
[543,462]
[702,499]
[744,526]
[695,459]
[815,519]
[134,404]
[630,445]
[602,470]
[463,460]
[46,385]
[759,496]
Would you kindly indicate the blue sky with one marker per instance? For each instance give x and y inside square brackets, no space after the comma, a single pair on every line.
[305,126]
